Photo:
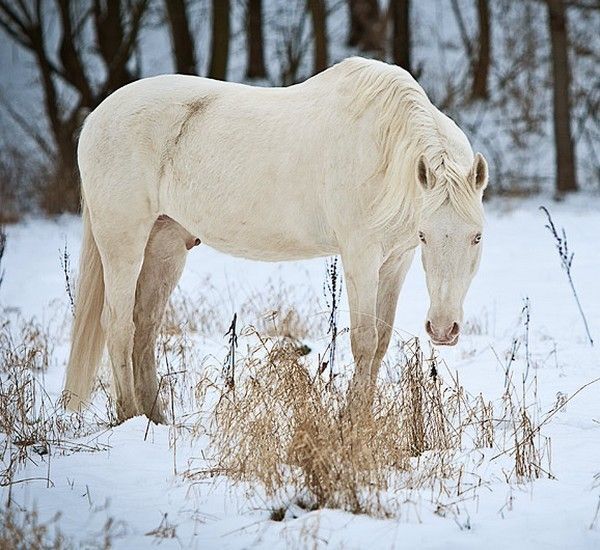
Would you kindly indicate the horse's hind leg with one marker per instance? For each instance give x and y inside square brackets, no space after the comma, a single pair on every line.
[121,242]
[164,259]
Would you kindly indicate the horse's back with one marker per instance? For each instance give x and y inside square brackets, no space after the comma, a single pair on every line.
[190,146]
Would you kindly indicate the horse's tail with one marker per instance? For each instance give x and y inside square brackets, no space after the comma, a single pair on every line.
[87,338]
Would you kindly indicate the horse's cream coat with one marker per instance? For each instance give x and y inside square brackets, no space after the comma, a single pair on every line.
[350,162]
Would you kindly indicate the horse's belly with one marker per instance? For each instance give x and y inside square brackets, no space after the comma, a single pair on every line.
[261,231]
[269,250]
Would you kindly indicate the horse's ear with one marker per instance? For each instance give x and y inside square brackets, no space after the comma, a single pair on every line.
[423,173]
[479,172]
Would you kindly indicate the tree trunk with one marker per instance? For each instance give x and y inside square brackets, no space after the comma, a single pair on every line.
[181,37]
[110,32]
[366,26]
[566,179]
[219,56]
[63,66]
[481,65]
[319,23]
[401,33]
[255,67]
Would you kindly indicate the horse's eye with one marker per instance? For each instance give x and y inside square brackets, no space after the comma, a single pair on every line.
[476,239]
[422,237]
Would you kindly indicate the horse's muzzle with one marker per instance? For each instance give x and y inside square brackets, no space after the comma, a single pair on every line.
[444,337]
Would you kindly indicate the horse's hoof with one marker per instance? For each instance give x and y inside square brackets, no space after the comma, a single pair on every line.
[157,417]
[125,411]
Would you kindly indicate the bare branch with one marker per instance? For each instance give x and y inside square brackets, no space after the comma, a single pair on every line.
[74,72]
[468,44]
[28,128]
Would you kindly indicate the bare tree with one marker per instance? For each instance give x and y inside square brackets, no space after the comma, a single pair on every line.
[482,57]
[255,66]
[184,48]
[566,179]
[366,26]
[400,11]
[478,51]
[219,56]
[319,23]
[290,27]
[116,34]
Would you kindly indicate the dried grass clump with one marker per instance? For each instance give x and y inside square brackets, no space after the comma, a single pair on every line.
[285,425]
[425,404]
[31,422]
[273,310]
[24,344]
[23,529]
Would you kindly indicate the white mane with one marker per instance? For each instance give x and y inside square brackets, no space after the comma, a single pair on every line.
[408,128]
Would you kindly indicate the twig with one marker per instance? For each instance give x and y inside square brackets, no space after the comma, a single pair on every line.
[333,291]
[596,515]
[65,264]
[155,402]
[2,249]
[526,321]
[230,359]
[566,261]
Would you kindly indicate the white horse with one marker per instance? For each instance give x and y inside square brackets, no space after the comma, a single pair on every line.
[355,161]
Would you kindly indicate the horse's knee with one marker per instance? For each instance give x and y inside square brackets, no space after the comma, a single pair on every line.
[364,343]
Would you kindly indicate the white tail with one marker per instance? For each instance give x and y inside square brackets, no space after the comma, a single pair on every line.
[87,338]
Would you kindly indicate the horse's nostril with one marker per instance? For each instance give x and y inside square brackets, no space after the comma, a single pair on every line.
[454,330]
[428,327]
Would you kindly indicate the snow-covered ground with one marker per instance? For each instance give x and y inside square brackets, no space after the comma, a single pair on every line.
[136,481]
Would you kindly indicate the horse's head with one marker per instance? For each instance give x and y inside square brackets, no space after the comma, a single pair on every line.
[450,233]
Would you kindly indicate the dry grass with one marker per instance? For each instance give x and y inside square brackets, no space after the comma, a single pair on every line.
[287,428]
[272,309]
[284,425]
[24,530]
[31,422]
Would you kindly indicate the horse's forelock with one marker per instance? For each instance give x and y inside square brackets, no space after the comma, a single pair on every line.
[453,186]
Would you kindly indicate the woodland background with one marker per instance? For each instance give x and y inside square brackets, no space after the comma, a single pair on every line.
[519,76]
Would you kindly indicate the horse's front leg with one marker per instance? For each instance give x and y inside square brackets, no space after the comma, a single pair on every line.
[361,268]
[391,278]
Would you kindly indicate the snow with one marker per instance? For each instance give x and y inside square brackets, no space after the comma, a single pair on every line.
[136,481]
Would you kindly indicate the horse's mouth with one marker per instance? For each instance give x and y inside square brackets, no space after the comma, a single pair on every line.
[451,342]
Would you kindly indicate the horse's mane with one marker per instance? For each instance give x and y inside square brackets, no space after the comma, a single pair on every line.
[408,128]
